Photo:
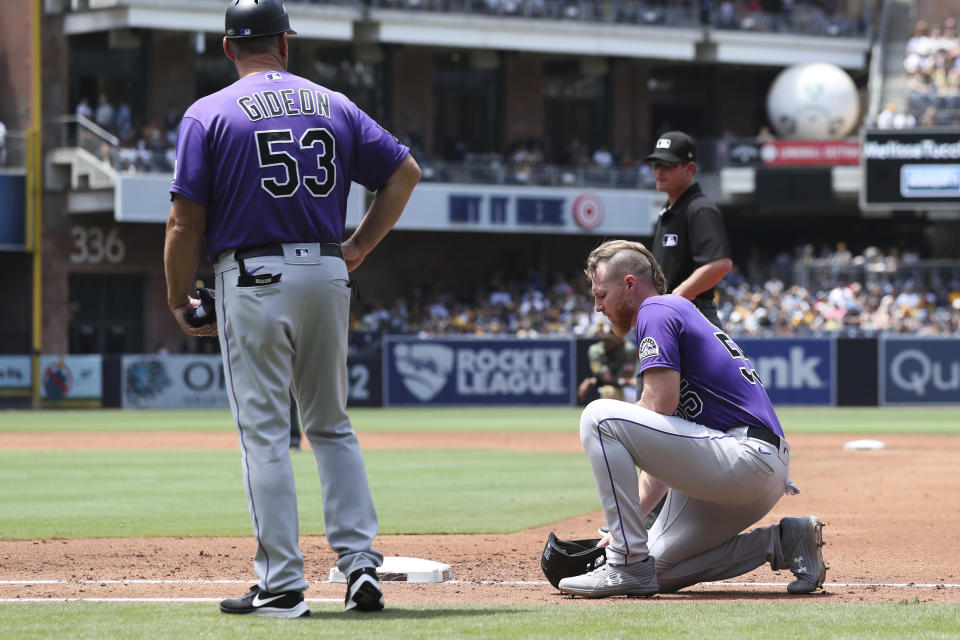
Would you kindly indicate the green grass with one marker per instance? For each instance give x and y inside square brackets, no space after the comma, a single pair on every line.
[79,494]
[845,420]
[565,619]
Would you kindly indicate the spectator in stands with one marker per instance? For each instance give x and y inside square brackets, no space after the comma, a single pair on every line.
[602,157]
[901,120]
[104,113]
[84,109]
[885,117]
[918,44]
[726,16]
[377,318]
[172,122]
[929,117]
[124,121]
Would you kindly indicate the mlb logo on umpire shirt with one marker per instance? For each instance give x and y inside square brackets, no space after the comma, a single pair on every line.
[670,240]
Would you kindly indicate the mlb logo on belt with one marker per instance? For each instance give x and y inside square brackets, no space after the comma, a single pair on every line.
[301,253]
[670,240]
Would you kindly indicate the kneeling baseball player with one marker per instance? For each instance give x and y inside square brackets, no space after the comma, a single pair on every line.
[703,432]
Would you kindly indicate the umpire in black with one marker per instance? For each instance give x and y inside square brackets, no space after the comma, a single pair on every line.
[690,242]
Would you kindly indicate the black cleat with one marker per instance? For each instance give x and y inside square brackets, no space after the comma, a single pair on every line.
[363,591]
[285,604]
[801,540]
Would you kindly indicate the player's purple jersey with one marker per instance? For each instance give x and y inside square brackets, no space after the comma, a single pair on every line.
[272,157]
[719,387]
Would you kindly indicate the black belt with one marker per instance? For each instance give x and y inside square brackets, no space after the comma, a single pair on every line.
[326,249]
[764,434]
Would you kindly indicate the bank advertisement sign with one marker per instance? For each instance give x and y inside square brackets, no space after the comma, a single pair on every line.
[474,372]
[919,371]
[794,370]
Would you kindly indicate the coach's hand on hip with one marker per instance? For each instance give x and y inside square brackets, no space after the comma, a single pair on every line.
[384,211]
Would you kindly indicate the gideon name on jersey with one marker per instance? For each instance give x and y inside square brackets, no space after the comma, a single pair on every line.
[276,103]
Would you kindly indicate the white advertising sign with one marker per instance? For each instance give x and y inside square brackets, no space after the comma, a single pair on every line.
[173,381]
[71,377]
[15,372]
[519,209]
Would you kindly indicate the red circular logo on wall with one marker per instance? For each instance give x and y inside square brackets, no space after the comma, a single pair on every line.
[588,211]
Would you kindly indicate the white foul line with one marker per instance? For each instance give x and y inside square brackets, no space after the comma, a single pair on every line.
[33,600]
[919,585]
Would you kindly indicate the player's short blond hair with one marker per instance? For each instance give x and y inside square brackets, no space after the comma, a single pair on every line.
[627,257]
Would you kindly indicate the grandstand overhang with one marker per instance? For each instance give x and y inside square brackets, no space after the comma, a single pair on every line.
[784,49]
[524,34]
[313,22]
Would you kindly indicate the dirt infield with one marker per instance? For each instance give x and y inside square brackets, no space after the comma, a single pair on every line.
[892,516]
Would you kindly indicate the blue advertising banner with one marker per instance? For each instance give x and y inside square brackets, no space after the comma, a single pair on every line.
[794,370]
[919,371]
[471,372]
[364,380]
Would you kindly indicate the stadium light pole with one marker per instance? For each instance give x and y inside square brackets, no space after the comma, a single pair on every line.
[34,227]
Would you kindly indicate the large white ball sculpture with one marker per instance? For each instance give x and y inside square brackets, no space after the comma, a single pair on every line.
[816,101]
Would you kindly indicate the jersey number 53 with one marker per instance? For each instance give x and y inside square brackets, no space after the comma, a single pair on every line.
[318,180]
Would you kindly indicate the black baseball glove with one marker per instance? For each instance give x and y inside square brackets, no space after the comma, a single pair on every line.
[204,313]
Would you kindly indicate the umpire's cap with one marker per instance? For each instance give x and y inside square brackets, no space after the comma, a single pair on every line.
[567,558]
[674,146]
[252,18]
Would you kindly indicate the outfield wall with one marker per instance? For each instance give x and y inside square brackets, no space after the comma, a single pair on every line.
[408,371]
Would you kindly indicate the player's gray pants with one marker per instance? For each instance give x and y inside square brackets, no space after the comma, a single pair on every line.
[293,334]
[720,484]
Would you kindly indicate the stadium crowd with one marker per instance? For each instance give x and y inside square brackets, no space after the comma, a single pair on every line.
[932,65]
[818,17]
[151,147]
[865,293]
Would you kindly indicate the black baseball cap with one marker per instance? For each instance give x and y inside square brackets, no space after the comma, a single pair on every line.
[674,146]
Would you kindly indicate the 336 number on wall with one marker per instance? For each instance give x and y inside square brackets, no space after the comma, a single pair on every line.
[92,246]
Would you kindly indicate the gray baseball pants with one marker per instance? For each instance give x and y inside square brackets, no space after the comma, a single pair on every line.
[720,484]
[274,338]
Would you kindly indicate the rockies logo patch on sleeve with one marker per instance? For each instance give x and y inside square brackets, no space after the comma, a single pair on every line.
[648,348]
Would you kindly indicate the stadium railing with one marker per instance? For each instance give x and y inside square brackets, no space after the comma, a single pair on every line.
[480,172]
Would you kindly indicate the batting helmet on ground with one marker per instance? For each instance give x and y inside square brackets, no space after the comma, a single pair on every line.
[252,18]
[567,558]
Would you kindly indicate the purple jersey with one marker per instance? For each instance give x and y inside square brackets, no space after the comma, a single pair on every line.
[719,387]
[272,157]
